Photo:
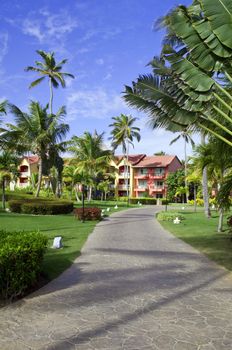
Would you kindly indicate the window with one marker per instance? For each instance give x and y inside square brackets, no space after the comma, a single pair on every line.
[159,195]
[159,184]
[159,171]
[142,184]
[143,171]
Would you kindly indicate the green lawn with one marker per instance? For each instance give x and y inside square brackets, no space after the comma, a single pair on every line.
[73,231]
[74,235]
[202,234]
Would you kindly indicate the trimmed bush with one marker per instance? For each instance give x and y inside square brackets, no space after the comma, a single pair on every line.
[21,256]
[41,207]
[93,213]
[164,201]
[143,200]
[169,216]
[15,206]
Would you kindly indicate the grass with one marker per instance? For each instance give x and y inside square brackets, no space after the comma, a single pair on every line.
[74,233]
[201,233]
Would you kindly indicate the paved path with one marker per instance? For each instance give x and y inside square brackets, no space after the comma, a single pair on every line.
[134,287]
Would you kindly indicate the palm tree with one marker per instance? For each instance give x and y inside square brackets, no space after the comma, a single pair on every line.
[122,134]
[216,155]
[185,133]
[90,157]
[8,167]
[48,68]
[37,131]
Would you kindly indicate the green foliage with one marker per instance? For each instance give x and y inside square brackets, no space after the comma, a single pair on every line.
[174,182]
[21,256]
[40,207]
[169,216]
[93,213]
[143,200]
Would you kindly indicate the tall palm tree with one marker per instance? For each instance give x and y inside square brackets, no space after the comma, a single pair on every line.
[37,131]
[90,156]
[48,68]
[216,155]
[185,133]
[122,134]
[8,167]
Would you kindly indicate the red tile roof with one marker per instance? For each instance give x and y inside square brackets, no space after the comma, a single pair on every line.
[155,161]
[133,159]
[32,159]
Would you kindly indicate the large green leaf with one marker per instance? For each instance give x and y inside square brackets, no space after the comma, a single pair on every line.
[205,32]
[200,52]
[190,74]
[219,13]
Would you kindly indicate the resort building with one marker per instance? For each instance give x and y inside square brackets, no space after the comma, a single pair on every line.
[143,175]
[27,167]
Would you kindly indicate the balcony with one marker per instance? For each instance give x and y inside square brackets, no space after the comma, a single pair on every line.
[123,187]
[24,173]
[141,189]
[157,189]
[141,176]
[124,175]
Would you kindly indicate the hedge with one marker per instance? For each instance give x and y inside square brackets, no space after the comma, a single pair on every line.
[40,207]
[21,256]
[91,213]
[169,216]
[143,200]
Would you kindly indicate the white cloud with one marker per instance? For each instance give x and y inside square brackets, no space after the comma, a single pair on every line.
[46,26]
[95,104]
[3,45]
[108,76]
[100,61]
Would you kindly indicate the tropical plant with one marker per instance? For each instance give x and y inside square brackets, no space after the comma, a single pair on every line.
[8,168]
[122,134]
[90,157]
[48,68]
[186,135]
[37,131]
[216,155]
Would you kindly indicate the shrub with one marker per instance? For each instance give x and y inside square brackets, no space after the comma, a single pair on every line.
[93,213]
[15,206]
[21,256]
[143,200]
[41,207]
[122,199]
[169,216]
[164,201]
[200,202]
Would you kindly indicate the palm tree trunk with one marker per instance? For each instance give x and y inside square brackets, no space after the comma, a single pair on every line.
[90,193]
[195,197]
[51,95]
[76,194]
[127,170]
[220,222]
[3,194]
[39,177]
[185,170]
[205,185]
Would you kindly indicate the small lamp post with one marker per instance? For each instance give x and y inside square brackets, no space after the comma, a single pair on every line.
[166,200]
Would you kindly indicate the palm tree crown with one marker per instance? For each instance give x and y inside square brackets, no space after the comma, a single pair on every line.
[37,131]
[48,68]
[124,132]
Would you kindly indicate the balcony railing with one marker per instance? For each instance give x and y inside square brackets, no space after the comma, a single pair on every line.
[124,187]
[24,174]
[124,175]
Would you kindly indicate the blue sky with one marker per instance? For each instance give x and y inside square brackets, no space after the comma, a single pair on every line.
[107,43]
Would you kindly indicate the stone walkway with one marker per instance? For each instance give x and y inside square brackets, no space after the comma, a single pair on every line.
[134,287]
